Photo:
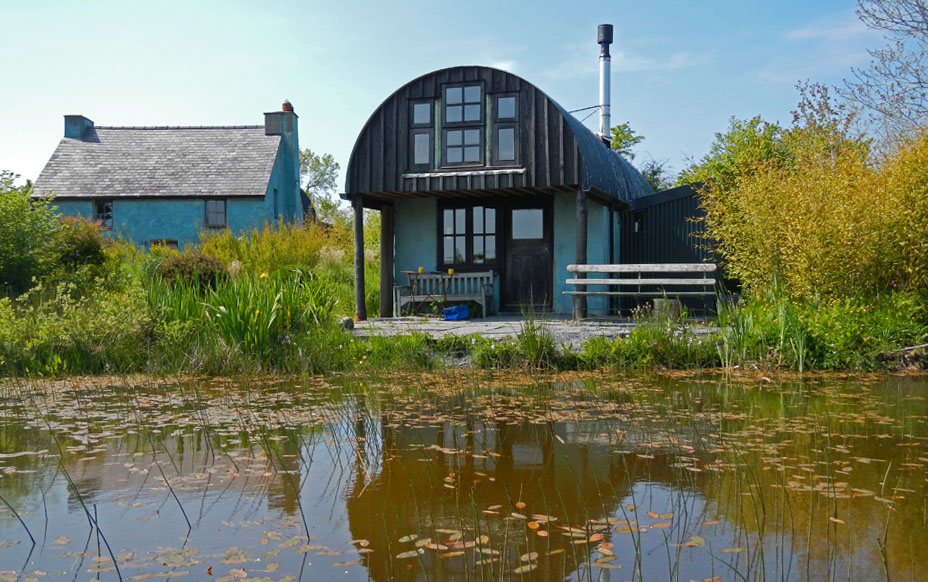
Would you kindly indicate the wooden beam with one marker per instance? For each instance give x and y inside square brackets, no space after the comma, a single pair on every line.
[386,261]
[359,305]
[644,268]
[638,282]
[580,251]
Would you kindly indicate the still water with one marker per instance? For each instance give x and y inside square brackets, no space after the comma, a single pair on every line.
[466,476]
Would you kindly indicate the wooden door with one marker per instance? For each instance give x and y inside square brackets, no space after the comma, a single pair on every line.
[527,276]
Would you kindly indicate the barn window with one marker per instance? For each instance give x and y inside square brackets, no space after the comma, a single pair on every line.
[421,148]
[506,107]
[215,214]
[422,113]
[103,213]
[464,104]
[463,146]
[463,125]
[505,130]
[468,237]
[507,143]
[421,135]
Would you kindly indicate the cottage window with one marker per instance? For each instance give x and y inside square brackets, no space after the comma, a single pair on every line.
[163,243]
[215,214]
[468,237]
[103,213]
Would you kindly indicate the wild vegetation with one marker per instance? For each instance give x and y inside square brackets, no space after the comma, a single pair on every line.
[271,300]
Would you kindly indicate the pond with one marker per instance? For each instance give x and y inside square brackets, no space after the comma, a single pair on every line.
[466,475]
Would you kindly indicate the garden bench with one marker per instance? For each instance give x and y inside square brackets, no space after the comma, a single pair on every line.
[444,288]
[671,280]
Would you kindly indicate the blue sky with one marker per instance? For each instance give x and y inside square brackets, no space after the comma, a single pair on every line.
[680,68]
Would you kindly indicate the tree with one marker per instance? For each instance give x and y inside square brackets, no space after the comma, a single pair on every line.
[28,230]
[624,139]
[895,85]
[654,171]
[318,174]
[807,207]
[657,174]
[736,153]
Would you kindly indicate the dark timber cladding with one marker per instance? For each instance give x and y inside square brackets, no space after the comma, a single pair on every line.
[381,168]
[481,134]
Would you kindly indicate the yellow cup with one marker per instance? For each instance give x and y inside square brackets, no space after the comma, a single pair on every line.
[421,269]
[451,271]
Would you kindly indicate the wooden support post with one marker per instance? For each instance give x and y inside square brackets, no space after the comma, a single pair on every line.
[580,252]
[386,261]
[360,307]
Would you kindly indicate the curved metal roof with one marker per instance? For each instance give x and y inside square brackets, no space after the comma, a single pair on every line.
[602,169]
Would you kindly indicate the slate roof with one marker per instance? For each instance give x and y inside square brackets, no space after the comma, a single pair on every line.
[161,162]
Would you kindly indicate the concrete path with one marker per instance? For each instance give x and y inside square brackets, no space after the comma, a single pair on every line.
[566,331]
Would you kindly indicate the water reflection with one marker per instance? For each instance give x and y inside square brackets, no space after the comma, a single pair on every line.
[459,477]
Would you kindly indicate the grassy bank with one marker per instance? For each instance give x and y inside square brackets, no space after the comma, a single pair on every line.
[287,322]
[271,301]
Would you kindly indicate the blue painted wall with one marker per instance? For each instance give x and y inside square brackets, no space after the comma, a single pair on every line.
[565,236]
[416,244]
[416,241]
[145,220]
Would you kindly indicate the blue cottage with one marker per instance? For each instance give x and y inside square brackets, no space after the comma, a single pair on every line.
[163,185]
[476,169]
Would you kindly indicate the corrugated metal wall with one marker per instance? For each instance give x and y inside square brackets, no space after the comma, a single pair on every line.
[664,228]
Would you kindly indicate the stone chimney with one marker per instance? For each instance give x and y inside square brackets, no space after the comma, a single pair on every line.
[76,125]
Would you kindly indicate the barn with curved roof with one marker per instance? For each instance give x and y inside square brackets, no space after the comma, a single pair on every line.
[476,170]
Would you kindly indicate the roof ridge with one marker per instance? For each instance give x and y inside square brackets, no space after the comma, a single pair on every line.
[178,127]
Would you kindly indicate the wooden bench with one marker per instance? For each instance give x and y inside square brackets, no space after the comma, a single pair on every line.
[627,280]
[443,288]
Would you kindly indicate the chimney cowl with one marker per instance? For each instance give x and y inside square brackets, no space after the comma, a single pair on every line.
[287,106]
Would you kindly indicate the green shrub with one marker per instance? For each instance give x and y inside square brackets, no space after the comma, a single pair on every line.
[27,233]
[79,243]
[191,267]
[106,331]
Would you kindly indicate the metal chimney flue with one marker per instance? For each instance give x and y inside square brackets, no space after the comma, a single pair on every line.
[604,38]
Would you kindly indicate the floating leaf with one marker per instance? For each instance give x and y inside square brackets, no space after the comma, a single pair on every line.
[410,554]
[525,569]
[407,539]
[698,540]
[529,557]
